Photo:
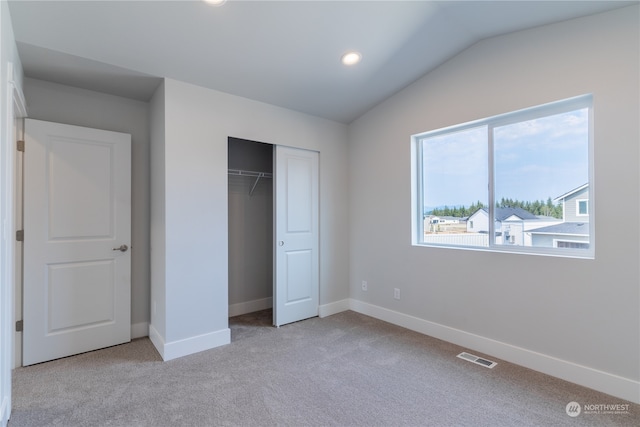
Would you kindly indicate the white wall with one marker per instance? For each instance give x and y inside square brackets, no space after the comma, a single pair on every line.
[157,328]
[10,81]
[574,318]
[65,104]
[197,123]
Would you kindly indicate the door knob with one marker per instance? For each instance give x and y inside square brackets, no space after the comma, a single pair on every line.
[281,243]
[122,248]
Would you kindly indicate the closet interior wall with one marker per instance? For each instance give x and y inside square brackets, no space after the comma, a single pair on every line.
[250,226]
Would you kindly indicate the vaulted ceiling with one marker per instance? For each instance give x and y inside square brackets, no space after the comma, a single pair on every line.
[285,53]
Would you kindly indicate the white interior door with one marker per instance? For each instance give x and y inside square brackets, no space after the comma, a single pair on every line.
[77,229]
[296,270]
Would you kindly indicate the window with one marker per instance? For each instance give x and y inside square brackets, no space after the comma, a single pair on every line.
[582,207]
[516,182]
[567,244]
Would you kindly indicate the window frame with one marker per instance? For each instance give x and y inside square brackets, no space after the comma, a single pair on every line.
[536,112]
[586,204]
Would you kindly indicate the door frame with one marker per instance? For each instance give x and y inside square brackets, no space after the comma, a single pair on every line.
[15,111]
[19,248]
[274,242]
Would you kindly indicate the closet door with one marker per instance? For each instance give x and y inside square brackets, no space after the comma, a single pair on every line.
[296,269]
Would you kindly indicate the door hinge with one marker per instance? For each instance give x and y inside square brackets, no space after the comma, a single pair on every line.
[19,325]
[20,235]
[21,146]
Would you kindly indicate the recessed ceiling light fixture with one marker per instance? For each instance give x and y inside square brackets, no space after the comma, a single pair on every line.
[351,58]
[215,2]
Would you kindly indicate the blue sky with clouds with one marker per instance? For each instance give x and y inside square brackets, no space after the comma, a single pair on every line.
[534,160]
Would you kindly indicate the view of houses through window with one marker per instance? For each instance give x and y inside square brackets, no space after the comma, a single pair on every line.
[517,181]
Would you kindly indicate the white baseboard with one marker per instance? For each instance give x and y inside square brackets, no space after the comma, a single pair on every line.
[250,306]
[187,346]
[156,340]
[333,308]
[604,382]
[262,304]
[139,330]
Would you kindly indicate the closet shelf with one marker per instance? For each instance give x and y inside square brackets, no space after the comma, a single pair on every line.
[242,172]
[254,174]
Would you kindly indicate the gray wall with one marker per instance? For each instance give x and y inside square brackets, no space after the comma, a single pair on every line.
[64,104]
[197,124]
[584,313]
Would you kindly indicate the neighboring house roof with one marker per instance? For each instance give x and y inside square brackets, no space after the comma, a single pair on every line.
[573,228]
[575,190]
[503,213]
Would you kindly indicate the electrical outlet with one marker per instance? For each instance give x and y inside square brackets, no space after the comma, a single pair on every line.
[365,285]
[396,293]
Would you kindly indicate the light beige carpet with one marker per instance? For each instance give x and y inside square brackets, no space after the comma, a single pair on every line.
[343,370]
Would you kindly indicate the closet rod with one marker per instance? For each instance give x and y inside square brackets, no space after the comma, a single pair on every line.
[242,172]
[255,174]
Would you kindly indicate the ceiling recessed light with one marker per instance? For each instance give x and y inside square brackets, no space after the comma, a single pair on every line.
[215,2]
[351,58]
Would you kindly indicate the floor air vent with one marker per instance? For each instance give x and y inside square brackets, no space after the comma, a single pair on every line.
[477,360]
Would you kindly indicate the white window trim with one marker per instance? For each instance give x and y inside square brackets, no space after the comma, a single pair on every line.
[578,207]
[417,190]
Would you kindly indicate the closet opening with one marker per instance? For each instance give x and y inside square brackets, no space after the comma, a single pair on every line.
[250,204]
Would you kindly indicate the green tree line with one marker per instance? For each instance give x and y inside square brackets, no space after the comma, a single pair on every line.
[537,207]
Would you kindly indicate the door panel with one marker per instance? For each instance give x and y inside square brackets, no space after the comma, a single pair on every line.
[299,194]
[296,284]
[77,213]
[87,168]
[90,282]
[299,281]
